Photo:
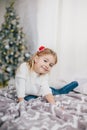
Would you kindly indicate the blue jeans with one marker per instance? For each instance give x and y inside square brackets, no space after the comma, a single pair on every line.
[64,90]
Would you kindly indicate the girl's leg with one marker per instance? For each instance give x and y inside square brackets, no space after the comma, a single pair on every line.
[66,89]
[27,98]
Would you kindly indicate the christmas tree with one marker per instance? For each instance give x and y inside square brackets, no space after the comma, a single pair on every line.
[13,50]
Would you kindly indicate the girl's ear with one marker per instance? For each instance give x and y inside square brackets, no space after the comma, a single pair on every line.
[36,59]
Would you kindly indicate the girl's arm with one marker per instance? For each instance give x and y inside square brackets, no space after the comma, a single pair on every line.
[20,81]
[20,88]
[50,99]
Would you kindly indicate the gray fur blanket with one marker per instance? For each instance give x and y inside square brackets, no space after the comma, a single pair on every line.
[37,114]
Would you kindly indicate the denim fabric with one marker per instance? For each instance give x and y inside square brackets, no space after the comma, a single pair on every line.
[64,90]
[30,97]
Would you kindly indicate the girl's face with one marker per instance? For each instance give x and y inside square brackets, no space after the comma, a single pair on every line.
[43,64]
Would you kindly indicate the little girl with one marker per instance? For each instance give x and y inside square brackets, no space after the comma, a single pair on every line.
[31,78]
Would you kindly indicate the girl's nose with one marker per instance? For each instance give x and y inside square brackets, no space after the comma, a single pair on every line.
[47,66]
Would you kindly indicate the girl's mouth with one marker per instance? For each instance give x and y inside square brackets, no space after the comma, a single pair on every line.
[45,68]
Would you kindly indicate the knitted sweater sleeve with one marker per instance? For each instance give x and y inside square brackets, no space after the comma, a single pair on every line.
[20,80]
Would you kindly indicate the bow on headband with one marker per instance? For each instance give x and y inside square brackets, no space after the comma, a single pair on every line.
[41,48]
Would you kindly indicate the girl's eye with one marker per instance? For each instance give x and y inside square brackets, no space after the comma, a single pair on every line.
[51,65]
[45,60]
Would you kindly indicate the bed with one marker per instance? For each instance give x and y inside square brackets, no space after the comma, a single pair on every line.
[37,114]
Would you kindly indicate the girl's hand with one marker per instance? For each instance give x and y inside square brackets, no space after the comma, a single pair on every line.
[20,99]
[50,99]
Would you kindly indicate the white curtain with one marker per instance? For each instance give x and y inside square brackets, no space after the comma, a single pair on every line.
[72,38]
[62,25]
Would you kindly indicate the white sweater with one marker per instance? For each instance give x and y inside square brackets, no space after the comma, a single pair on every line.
[30,83]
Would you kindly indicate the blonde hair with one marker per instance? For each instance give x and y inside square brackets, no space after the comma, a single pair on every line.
[46,51]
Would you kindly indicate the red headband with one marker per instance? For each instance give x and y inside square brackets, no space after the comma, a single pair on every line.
[41,48]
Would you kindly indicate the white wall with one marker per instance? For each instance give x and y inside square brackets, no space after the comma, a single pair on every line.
[27,10]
